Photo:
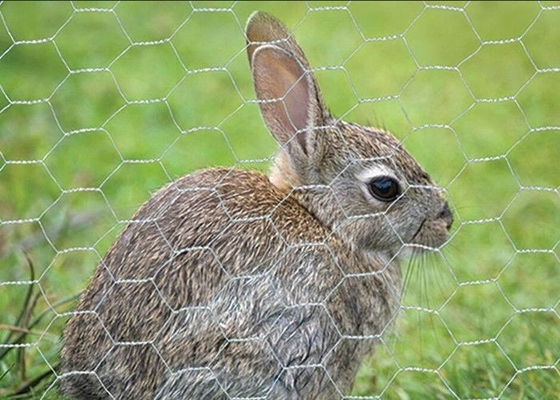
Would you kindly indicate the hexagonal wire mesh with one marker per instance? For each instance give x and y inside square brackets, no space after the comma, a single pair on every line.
[102,103]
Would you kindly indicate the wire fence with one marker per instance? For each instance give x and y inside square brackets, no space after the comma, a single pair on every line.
[103,103]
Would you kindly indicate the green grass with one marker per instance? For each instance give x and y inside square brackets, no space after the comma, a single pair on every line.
[78,158]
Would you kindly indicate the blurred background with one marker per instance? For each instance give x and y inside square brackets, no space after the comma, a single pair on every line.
[102,103]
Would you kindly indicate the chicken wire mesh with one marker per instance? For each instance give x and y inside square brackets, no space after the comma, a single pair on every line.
[102,103]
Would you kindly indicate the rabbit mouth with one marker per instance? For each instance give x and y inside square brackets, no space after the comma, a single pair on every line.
[417,233]
[430,235]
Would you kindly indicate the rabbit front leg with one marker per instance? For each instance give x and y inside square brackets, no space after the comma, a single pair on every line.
[304,342]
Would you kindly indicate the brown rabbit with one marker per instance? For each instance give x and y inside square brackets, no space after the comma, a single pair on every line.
[231,284]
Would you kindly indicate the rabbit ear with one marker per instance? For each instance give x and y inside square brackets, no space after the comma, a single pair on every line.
[288,95]
[263,28]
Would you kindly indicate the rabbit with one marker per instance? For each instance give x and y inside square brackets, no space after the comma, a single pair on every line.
[233,284]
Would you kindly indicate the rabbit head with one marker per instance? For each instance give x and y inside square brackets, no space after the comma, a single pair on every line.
[357,181]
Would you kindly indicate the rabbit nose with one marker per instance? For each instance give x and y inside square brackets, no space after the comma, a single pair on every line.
[446,215]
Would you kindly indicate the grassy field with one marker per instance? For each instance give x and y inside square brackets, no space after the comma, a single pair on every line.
[103,103]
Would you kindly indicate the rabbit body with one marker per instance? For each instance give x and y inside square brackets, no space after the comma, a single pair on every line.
[232,284]
[233,287]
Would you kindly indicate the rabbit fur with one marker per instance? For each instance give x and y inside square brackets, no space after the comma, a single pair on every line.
[231,284]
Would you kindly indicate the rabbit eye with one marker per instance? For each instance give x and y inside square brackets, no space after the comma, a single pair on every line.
[384,188]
